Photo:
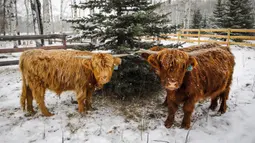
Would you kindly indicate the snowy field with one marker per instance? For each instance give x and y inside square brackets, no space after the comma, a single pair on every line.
[108,124]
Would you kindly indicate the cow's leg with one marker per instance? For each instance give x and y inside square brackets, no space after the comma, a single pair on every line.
[224,97]
[38,94]
[188,108]
[172,108]
[165,102]
[30,102]
[89,100]
[214,103]
[81,97]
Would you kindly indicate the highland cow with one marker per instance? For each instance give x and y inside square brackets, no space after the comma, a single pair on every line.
[145,55]
[61,70]
[192,76]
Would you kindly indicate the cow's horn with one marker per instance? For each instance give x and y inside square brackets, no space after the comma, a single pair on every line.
[147,51]
[120,55]
[84,57]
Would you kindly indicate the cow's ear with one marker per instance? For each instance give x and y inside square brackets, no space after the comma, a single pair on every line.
[117,61]
[153,61]
[145,56]
[192,62]
[88,65]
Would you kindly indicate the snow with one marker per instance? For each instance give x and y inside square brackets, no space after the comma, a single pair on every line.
[107,125]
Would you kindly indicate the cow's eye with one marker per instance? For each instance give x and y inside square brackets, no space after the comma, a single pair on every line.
[183,68]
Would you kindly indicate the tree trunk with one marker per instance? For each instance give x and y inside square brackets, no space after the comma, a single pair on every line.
[26,2]
[27,15]
[35,21]
[33,16]
[39,18]
[4,17]
[52,21]
[13,28]
[46,18]
[17,21]
[61,15]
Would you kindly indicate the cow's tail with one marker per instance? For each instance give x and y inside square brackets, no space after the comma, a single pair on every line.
[25,87]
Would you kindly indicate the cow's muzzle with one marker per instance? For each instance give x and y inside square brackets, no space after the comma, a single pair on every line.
[172,85]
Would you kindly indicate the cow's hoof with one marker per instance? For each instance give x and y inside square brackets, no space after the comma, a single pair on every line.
[91,108]
[30,113]
[185,126]
[168,124]
[74,102]
[213,107]
[83,114]
[222,111]
[48,114]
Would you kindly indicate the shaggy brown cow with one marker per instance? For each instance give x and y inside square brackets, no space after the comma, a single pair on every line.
[61,70]
[190,77]
[186,49]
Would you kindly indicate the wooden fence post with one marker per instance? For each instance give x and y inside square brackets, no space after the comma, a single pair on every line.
[199,33]
[64,40]
[178,35]
[228,40]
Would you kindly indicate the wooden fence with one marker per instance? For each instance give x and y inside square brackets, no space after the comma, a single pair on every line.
[183,35]
[229,35]
[29,37]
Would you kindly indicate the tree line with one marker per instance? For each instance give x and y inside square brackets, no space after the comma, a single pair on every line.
[235,14]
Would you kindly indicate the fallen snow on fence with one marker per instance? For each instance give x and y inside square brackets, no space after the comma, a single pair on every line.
[105,125]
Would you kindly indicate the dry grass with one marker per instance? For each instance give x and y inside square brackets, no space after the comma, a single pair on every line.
[143,110]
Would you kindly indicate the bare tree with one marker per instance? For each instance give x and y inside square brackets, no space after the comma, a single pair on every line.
[39,18]
[46,18]
[3,17]
[17,31]
[51,17]
[12,20]
[61,15]
[34,16]
[27,16]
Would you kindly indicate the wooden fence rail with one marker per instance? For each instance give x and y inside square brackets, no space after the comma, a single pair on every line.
[34,37]
[13,50]
[228,34]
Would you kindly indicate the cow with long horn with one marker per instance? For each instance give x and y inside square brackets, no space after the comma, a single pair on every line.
[192,76]
[62,70]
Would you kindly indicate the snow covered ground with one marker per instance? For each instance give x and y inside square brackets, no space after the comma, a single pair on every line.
[108,124]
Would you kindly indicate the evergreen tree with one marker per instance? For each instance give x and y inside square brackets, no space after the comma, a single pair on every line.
[197,19]
[118,26]
[219,15]
[247,14]
[204,22]
[120,22]
[239,14]
[234,17]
